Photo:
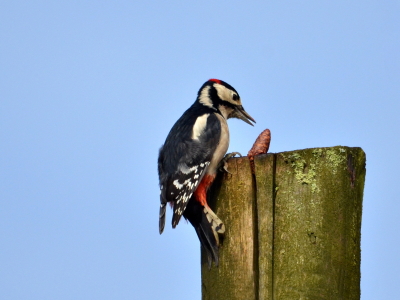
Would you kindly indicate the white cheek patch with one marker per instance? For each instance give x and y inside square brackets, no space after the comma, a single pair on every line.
[226,94]
[199,126]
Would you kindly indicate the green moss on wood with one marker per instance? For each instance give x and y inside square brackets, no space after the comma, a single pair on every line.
[293,230]
[306,165]
[317,224]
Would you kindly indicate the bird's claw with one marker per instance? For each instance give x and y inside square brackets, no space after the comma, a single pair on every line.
[223,164]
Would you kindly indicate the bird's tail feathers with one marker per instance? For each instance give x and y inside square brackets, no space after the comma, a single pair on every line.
[161,224]
[208,242]
[208,227]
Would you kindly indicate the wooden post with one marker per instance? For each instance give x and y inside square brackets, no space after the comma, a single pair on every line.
[292,228]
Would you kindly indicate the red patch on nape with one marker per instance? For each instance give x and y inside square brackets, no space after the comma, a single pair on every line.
[215,80]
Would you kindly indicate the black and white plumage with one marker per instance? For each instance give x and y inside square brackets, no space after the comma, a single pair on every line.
[189,158]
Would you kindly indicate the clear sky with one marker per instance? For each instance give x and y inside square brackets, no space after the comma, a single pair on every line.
[90,89]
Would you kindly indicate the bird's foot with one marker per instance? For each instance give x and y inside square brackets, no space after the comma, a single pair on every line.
[223,164]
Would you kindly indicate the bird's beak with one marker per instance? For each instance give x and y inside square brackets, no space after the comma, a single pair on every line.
[241,114]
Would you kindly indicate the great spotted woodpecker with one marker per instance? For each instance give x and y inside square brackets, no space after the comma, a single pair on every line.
[189,159]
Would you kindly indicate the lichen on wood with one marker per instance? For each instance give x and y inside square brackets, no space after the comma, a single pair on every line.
[293,227]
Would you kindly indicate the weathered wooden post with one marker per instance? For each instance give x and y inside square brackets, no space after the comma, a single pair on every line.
[292,228]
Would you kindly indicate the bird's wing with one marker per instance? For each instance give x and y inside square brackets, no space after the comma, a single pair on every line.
[194,154]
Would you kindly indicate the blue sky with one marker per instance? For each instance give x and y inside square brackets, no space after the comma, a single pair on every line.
[90,89]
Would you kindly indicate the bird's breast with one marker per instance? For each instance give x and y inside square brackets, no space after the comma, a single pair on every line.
[222,146]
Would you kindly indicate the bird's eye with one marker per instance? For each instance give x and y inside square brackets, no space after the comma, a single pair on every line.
[235,97]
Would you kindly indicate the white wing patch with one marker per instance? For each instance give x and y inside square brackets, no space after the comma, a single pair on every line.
[186,170]
[184,187]
[177,185]
[199,126]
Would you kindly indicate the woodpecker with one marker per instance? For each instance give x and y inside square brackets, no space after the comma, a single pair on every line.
[190,157]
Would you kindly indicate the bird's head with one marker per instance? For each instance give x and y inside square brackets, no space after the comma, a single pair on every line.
[222,97]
